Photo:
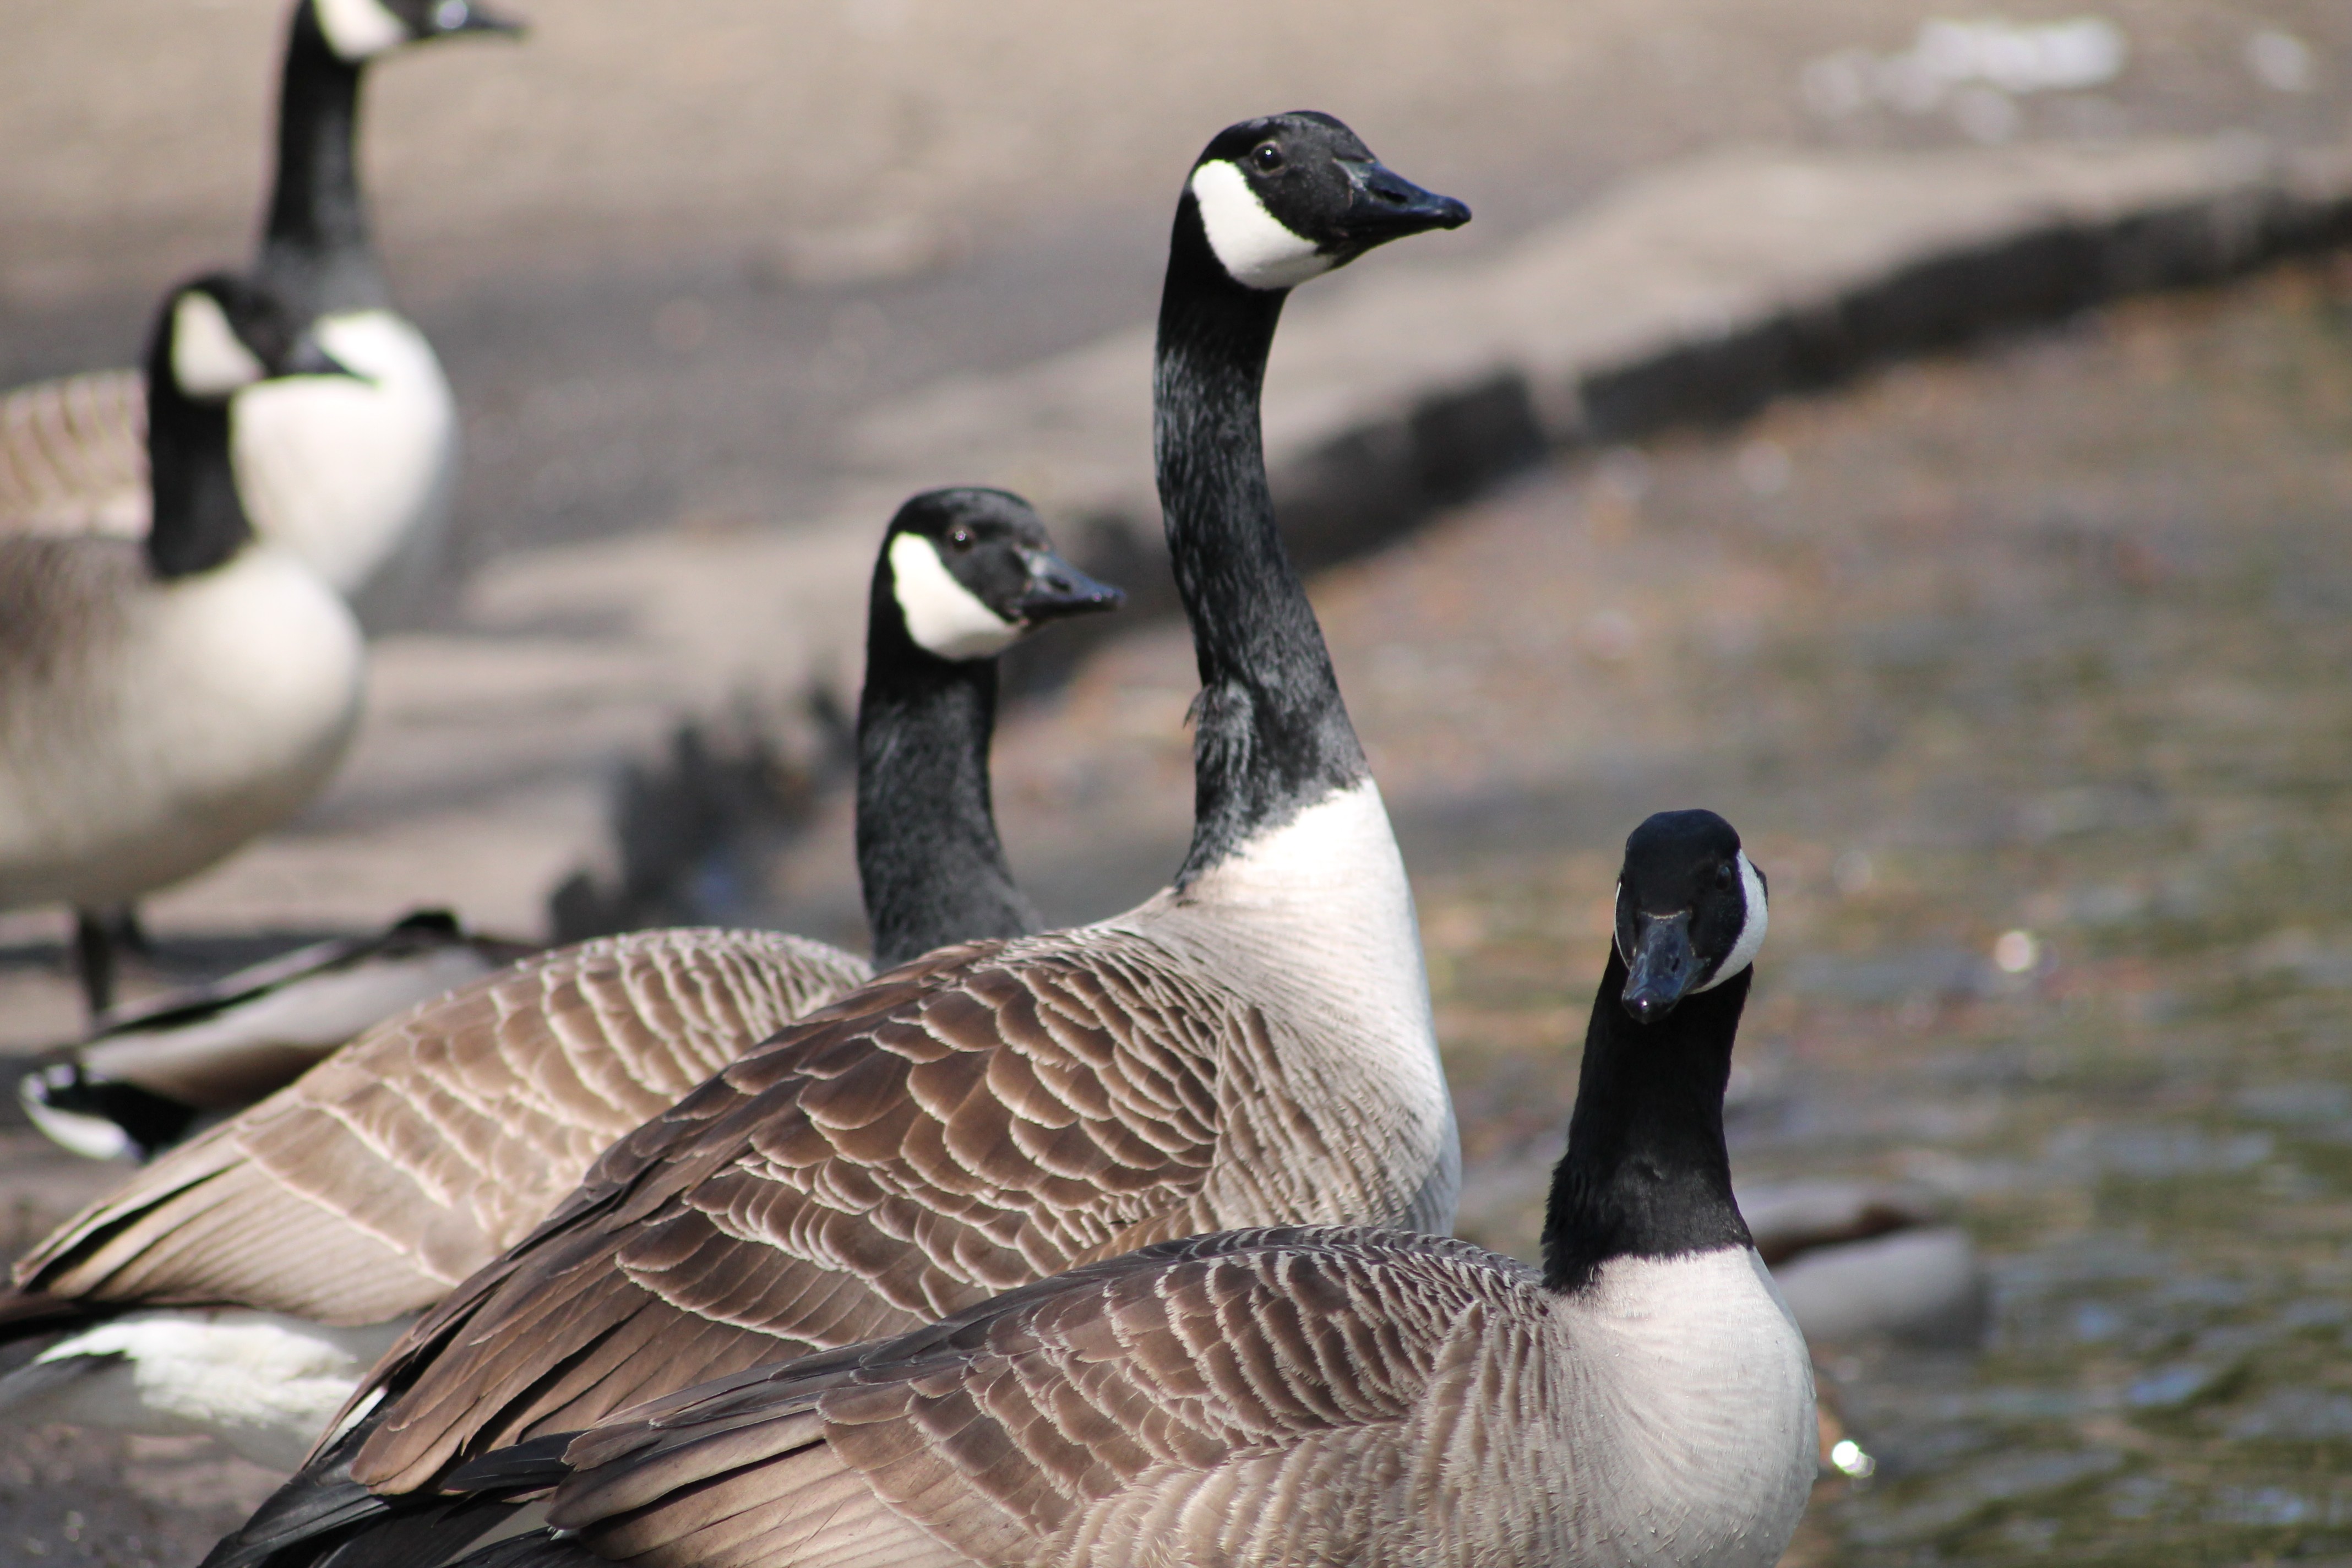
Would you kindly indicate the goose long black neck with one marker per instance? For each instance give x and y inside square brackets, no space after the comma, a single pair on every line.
[197,520]
[1272,734]
[929,859]
[315,251]
[1646,1174]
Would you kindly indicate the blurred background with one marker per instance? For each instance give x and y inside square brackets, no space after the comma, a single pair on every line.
[2021,665]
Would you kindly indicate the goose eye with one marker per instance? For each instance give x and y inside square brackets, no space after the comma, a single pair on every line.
[1265,158]
[1725,875]
[960,537]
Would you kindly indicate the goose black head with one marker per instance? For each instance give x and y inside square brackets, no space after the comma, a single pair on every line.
[1290,196]
[971,571]
[360,30]
[1691,910]
[214,337]
[220,333]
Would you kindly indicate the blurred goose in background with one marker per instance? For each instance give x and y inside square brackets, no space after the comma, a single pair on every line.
[354,477]
[163,700]
[1858,1261]
[1293,1395]
[155,1068]
[1252,1044]
[314,1222]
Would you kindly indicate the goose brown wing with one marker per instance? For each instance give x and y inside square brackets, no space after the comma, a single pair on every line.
[1227,1398]
[964,1125]
[378,1180]
[73,456]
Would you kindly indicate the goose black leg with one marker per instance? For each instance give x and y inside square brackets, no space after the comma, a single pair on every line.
[94,958]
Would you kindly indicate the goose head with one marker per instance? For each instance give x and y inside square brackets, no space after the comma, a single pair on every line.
[358,30]
[214,337]
[220,333]
[1288,197]
[970,571]
[1691,910]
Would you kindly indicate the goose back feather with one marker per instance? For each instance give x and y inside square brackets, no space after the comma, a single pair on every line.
[377,1181]
[1267,1396]
[73,456]
[963,1125]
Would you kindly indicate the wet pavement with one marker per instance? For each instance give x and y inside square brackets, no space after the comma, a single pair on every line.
[2023,675]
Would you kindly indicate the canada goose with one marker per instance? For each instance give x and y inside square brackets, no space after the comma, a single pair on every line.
[352,474]
[155,1068]
[1293,1396]
[164,701]
[354,477]
[366,1189]
[1250,1045]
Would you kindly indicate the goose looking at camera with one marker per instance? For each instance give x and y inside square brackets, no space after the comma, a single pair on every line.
[309,1226]
[1250,1045]
[354,477]
[164,701]
[1291,1396]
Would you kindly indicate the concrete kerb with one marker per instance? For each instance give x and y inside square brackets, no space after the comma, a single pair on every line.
[1692,295]
[2024,239]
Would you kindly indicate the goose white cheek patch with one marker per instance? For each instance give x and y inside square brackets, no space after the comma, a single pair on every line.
[942,615]
[1256,247]
[358,29]
[1751,934]
[208,359]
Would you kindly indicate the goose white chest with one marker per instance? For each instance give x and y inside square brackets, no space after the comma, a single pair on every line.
[1313,919]
[1682,1399]
[354,474]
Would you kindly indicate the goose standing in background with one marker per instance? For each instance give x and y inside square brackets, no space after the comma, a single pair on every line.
[1281,1397]
[354,477]
[155,1068]
[1250,1045]
[365,1190]
[163,700]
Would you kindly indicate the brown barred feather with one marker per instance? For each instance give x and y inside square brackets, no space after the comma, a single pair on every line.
[394,1169]
[73,456]
[958,1128]
[1258,1396]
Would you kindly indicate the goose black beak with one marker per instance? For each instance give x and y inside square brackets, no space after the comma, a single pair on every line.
[1056,589]
[1383,205]
[1662,966]
[465,16]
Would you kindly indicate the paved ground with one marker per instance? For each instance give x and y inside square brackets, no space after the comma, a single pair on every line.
[1918,635]
[665,262]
